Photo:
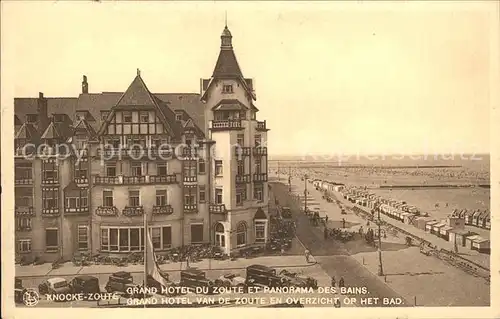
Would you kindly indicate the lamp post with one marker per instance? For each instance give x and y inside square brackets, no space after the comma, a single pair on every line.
[305,193]
[380,268]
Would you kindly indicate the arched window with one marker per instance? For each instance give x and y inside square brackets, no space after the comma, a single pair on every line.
[220,238]
[241,234]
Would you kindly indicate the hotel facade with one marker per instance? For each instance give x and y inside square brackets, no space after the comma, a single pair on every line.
[89,169]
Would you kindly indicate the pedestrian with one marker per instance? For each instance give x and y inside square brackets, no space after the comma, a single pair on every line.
[341,282]
[187,262]
[325,233]
[333,282]
[307,254]
[326,219]
[282,249]
[343,222]
[337,303]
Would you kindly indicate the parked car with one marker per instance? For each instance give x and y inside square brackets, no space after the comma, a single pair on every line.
[298,280]
[230,280]
[194,278]
[119,282]
[19,290]
[263,275]
[56,285]
[85,284]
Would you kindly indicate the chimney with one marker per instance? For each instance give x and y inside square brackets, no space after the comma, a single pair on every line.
[43,119]
[85,85]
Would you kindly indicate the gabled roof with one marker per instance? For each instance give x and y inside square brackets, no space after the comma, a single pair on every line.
[17,121]
[51,132]
[84,125]
[27,131]
[260,214]
[136,95]
[229,105]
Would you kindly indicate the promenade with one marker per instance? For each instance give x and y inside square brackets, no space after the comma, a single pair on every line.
[427,281]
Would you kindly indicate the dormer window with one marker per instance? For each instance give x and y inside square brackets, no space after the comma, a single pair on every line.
[178,117]
[32,118]
[227,88]
[127,117]
[58,118]
[104,115]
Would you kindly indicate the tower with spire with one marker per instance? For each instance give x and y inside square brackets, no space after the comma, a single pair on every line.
[240,168]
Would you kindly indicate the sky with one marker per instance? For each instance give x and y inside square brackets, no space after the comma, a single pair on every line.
[330,77]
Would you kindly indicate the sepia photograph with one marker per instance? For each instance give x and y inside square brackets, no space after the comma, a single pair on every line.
[249,154]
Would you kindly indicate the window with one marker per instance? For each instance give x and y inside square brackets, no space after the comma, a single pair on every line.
[201,166]
[23,223]
[178,117]
[50,198]
[257,139]
[240,139]
[258,165]
[161,169]
[260,231]
[196,233]
[253,115]
[189,168]
[58,118]
[83,234]
[161,197]
[241,167]
[257,191]
[190,195]
[104,115]
[111,169]
[243,115]
[49,171]
[51,239]
[127,117]
[107,198]
[23,171]
[32,118]
[241,194]
[218,168]
[24,245]
[125,239]
[136,168]
[241,234]
[144,117]
[189,141]
[134,198]
[202,194]
[81,169]
[220,238]
[218,195]
[24,196]
[228,88]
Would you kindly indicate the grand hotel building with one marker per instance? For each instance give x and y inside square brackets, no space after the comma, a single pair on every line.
[194,163]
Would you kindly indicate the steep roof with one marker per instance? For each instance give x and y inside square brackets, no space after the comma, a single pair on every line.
[137,95]
[51,132]
[27,131]
[227,65]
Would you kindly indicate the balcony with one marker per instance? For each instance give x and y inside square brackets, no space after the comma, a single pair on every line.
[261,177]
[23,181]
[242,179]
[76,210]
[261,126]
[260,151]
[51,181]
[190,179]
[106,211]
[131,211]
[24,211]
[163,210]
[137,154]
[223,125]
[24,228]
[242,151]
[217,209]
[135,180]
[50,212]
[81,180]
[189,152]
[190,208]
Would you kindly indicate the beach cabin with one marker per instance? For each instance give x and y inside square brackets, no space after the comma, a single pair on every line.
[468,217]
[475,217]
[455,222]
[437,227]
[459,236]
[482,219]
[422,221]
[444,232]
[476,242]
[487,221]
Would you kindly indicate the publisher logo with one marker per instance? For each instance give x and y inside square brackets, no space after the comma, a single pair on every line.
[31,297]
